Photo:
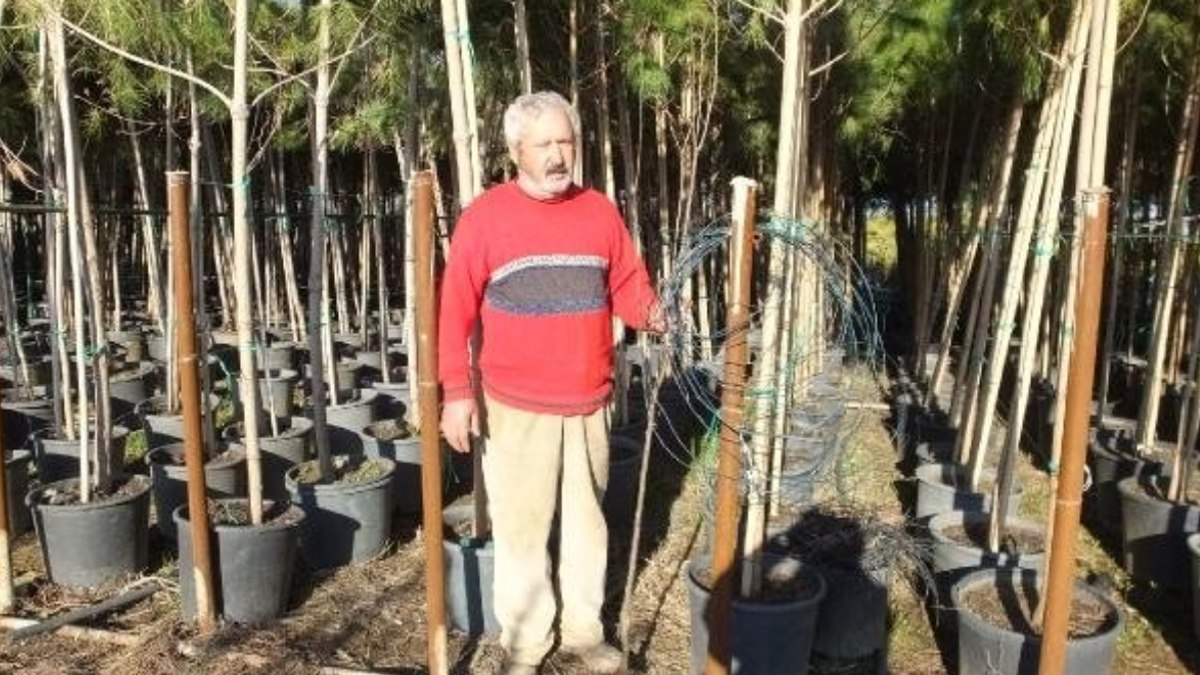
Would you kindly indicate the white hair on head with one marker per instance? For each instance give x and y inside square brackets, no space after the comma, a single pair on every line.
[529,107]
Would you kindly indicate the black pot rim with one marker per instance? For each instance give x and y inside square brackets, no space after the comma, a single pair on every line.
[745,604]
[982,576]
[290,480]
[1131,487]
[951,518]
[143,483]
[179,515]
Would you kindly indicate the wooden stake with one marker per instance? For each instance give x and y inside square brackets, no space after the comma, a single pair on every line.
[737,357]
[1060,580]
[189,385]
[431,448]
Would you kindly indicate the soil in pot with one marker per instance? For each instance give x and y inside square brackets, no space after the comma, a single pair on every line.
[252,564]
[87,545]
[996,634]
[349,515]
[397,440]
[771,634]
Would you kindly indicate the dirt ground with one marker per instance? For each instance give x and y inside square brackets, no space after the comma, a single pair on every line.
[370,617]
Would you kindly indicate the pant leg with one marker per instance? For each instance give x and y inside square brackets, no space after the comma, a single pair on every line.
[522,460]
[584,533]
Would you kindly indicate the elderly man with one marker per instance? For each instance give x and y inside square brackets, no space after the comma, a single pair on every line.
[543,265]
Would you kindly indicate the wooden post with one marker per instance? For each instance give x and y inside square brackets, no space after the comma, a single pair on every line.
[737,357]
[1060,581]
[427,400]
[189,386]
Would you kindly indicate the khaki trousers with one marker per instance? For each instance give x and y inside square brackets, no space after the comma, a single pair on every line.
[533,463]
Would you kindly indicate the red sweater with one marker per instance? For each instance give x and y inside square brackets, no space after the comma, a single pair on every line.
[544,278]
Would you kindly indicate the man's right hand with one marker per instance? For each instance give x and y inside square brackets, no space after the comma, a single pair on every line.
[460,419]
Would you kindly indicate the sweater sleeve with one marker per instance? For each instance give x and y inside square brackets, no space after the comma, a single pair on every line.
[462,289]
[628,281]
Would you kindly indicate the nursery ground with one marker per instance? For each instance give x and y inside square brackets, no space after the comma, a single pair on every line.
[372,616]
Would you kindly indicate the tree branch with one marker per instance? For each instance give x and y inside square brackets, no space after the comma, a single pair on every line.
[828,64]
[310,70]
[766,13]
[100,42]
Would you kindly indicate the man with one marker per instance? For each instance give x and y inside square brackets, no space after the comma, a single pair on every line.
[543,265]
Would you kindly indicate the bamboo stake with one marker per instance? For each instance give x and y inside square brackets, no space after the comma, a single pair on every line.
[431,451]
[1036,294]
[185,340]
[737,357]
[6,579]
[1060,579]
[1171,257]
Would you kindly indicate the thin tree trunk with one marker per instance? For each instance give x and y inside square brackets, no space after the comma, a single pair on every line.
[196,211]
[63,96]
[1171,258]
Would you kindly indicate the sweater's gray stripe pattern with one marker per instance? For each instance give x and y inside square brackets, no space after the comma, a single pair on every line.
[550,284]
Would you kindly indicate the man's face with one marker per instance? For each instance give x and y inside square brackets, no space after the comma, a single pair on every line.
[545,155]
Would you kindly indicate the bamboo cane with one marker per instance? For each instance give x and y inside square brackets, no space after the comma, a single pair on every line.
[431,451]
[728,477]
[6,580]
[185,339]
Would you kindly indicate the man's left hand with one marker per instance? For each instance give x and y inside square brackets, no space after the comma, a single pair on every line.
[656,321]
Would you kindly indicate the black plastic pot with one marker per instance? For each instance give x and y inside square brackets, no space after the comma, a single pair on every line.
[278,356]
[937,491]
[252,565]
[278,453]
[25,417]
[344,522]
[224,476]
[346,419]
[58,459]
[87,545]
[767,638]
[16,475]
[392,399]
[131,340]
[620,498]
[1110,462]
[994,650]
[1153,531]
[275,390]
[133,386]
[852,623]
[470,573]
[165,429]
[406,453]
[1193,545]
[950,555]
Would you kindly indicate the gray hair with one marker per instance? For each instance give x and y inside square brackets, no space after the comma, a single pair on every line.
[529,107]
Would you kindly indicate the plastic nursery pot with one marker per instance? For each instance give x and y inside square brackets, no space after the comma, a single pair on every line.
[397,441]
[162,428]
[768,637]
[16,474]
[345,420]
[275,388]
[944,487]
[224,476]
[87,545]
[279,452]
[1153,532]
[1193,544]
[252,564]
[58,459]
[349,519]
[985,646]
[25,414]
[470,573]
